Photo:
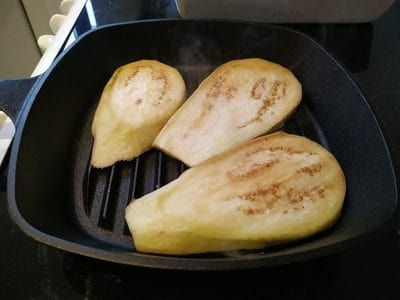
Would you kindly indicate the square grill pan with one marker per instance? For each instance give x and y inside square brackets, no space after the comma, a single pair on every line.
[55,196]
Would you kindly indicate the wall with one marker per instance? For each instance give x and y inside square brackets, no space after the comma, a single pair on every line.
[19,52]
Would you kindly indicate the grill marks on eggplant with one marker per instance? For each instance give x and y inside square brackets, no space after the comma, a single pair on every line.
[273,156]
[262,200]
[269,97]
[156,77]
[266,92]
[279,198]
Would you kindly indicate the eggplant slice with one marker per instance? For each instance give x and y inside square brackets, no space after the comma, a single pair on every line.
[273,189]
[135,104]
[240,100]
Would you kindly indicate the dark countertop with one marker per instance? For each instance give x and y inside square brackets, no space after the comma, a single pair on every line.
[371,270]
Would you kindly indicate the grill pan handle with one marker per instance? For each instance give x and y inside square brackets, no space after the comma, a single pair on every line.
[13,93]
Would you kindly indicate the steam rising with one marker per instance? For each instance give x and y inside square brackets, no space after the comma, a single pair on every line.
[195,64]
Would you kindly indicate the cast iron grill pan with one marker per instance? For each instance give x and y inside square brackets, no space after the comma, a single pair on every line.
[55,196]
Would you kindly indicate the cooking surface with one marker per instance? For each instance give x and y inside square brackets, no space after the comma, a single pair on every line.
[99,204]
[371,270]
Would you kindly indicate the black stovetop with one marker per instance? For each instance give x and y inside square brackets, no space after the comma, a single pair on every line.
[371,270]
